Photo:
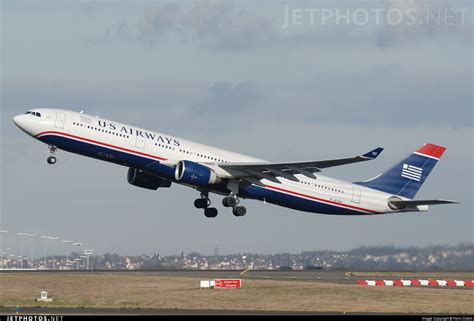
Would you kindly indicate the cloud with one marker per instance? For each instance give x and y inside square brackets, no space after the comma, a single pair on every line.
[422,20]
[217,25]
[391,96]
[227,26]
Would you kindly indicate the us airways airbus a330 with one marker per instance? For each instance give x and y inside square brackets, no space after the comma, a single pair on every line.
[157,160]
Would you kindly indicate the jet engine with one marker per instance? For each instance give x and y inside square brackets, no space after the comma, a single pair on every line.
[195,174]
[144,180]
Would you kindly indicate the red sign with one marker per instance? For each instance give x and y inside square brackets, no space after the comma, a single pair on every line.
[227,283]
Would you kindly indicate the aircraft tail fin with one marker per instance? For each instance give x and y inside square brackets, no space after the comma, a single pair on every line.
[406,177]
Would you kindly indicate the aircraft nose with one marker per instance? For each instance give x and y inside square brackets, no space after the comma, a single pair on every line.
[18,120]
[24,123]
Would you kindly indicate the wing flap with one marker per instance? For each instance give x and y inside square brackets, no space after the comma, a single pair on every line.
[260,175]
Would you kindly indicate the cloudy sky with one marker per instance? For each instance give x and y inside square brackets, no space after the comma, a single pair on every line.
[282,81]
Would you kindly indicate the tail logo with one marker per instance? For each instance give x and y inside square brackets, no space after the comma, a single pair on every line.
[412,172]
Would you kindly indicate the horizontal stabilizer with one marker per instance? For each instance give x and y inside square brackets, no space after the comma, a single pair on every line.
[373,153]
[402,204]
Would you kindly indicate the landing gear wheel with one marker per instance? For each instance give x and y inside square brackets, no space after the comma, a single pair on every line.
[229,201]
[201,203]
[51,160]
[239,211]
[210,212]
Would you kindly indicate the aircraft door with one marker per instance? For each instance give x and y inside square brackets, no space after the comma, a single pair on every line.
[60,119]
[140,142]
[356,195]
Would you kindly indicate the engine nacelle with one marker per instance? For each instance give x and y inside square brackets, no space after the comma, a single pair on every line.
[195,174]
[144,180]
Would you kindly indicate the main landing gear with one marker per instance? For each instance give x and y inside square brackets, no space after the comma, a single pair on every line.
[233,201]
[52,159]
[204,203]
[229,201]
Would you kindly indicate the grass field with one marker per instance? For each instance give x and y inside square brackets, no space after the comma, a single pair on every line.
[142,290]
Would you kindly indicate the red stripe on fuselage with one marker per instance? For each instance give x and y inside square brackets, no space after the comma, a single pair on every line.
[321,199]
[100,143]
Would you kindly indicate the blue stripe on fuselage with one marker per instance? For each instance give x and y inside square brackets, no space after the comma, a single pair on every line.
[295,202]
[250,191]
[109,155]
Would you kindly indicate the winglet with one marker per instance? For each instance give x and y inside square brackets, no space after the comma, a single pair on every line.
[373,153]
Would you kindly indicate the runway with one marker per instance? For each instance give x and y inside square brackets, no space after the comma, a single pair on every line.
[307,275]
[319,275]
[138,312]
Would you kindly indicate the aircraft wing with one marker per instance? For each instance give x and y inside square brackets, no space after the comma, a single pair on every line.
[269,170]
[402,204]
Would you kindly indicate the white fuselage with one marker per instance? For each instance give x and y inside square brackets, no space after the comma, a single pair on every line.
[125,144]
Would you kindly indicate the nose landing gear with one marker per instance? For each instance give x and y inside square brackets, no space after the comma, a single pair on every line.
[52,159]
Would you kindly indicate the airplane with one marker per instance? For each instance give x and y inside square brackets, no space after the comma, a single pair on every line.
[157,160]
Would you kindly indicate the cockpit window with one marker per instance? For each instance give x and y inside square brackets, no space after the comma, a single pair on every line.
[33,113]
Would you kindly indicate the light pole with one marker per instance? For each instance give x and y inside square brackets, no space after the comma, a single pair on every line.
[12,256]
[54,247]
[78,244]
[83,264]
[21,248]
[31,265]
[45,238]
[88,254]
[67,254]
[78,264]
[6,257]
[2,232]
